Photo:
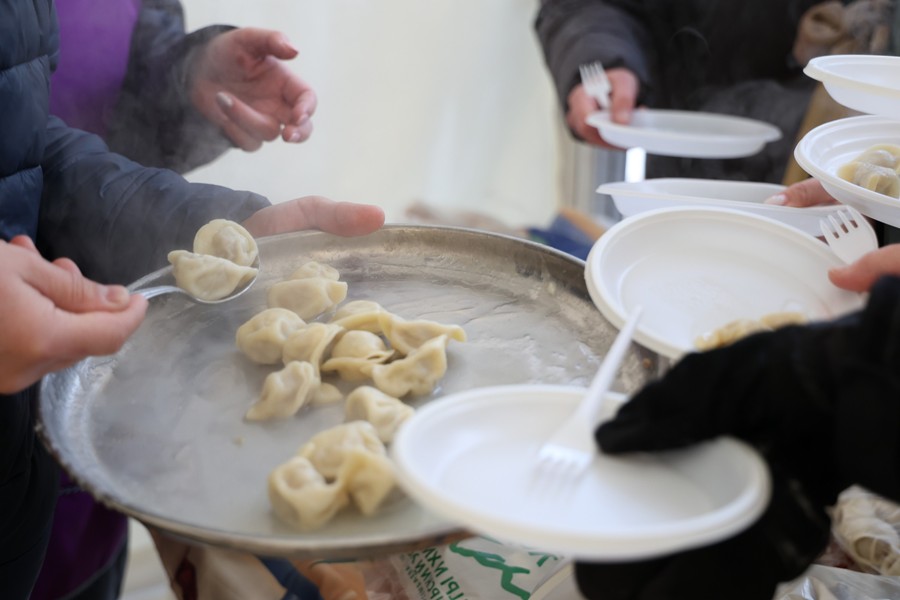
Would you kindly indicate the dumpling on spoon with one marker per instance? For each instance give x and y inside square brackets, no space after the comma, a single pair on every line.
[208,277]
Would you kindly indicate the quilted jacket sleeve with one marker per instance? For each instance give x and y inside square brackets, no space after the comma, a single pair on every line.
[154,122]
[575,32]
[116,219]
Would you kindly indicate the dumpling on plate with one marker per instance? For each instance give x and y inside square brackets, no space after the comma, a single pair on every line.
[301,497]
[328,449]
[882,155]
[355,354]
[882,180]
[359,314]
[285,392]
[315,269]
[367,478]
[384,412]
[418,373]
[262,337]
[326,393]
[208,277]
[310,343]
[226,239]
[307,297]
[405,336]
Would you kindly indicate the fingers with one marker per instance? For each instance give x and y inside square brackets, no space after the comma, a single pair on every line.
[67,289]
[624,94]
[316,212]
[580,107]
[247,128]
[803,194]
[23,241]
[862,274]
[262,42]
[97,333]
[303,102]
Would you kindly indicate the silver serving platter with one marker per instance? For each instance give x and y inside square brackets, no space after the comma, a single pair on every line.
[157,430]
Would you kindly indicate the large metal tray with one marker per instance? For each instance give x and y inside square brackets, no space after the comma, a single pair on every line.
[156,431]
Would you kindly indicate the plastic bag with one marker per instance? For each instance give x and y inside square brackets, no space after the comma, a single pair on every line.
[471,569]
[829,583]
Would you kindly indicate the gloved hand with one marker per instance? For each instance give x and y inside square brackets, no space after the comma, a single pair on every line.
[820,402]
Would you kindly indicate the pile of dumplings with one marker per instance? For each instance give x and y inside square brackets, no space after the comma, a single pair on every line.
[877,169]
[361,343]
[220,263]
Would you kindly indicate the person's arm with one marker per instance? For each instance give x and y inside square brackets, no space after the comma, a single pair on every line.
[576,32]
[154,122]
[819,402]
[116,219]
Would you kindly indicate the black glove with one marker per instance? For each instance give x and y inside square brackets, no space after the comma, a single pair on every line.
[822,405]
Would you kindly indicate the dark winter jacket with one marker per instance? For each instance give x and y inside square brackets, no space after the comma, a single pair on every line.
[728,57]
[114,218]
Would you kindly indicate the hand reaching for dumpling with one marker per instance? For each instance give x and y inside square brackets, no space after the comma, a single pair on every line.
[316,212]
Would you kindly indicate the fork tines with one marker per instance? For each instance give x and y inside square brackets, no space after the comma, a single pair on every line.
[596,84]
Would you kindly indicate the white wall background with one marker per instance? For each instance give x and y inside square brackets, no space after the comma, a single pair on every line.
[442,101]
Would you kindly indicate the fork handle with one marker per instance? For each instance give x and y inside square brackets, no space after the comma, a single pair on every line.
[603,380]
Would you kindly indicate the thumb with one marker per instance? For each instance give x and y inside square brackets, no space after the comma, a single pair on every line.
[862,274]
[72,292]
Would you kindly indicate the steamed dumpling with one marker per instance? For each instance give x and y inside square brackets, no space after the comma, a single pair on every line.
[328,449]
[882,180]
[315,269]
[384,412]
[418,373]
[208,277]
[301,497]
[367,478]
[310,343]
[359,314]
[405,336]
[226,239]
[355,354]
[882,155]
[326,393]
[285,392]
[307,297]
[263,336]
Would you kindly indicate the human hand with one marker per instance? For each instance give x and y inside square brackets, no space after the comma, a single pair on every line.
[861,275]
[818,402]
[803,194]
[240,82]
[316,212]
[52,317]
[623,96]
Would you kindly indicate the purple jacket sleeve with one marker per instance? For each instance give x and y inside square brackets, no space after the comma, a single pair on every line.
[116,219]
[154,121]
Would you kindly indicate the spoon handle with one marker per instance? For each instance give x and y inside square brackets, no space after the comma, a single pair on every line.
[153,292]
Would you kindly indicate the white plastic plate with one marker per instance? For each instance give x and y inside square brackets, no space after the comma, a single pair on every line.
[864,82]
[632,198]
[696,269]
[470,457]
[686,133]
[826,148]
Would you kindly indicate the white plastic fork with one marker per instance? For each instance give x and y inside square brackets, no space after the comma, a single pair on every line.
[596,84]
[571,448]
[848,234]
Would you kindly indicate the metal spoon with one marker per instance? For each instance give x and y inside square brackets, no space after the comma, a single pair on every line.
[158,290]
